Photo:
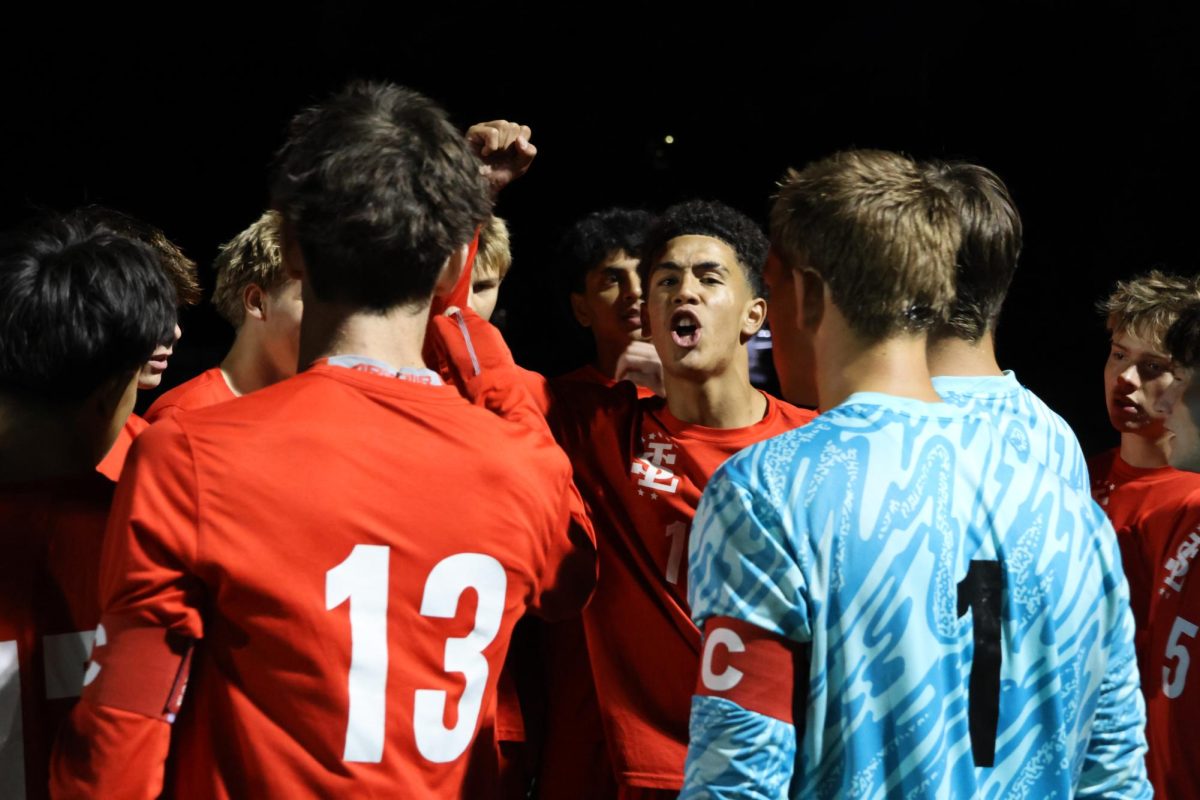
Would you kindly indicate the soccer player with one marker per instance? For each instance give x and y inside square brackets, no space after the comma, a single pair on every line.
[891,604]
[1151,504]
[348,549]
[1181,401]
[256,296]
[599,257]
[1172,694]
[492,263]
[181,272]
[81,310]
[961,353]
[641,464]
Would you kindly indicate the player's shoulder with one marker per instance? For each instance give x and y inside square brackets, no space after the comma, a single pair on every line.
[584,394]
[789,416]
[205,389]
[1100,464]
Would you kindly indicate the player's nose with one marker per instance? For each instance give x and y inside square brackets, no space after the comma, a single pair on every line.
[1129,376]
[686,291]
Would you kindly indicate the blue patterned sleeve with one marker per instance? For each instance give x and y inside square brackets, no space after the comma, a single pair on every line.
[1115,763]
[740,565]
[736,753]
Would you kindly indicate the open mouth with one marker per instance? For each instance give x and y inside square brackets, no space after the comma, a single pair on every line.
[685,329]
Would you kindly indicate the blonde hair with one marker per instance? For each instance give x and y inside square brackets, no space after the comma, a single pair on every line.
[494,256]
[1149,304]
[879,232]
[253,256]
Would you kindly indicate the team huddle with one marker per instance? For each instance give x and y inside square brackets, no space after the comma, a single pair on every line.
[368,555]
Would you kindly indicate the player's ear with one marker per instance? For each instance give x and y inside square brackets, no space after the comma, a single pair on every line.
[452,270]
[810,298]
[753,318]
[580,310]
[253,301]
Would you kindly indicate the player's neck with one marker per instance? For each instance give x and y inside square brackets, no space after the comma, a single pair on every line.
[394,337]
[607,355]
[36,445]
[246,367]
[846,364]
[949,355]
[1145,452]
[726,400]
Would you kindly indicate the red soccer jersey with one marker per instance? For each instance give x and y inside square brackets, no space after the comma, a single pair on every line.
[50,536]
[114,461]
[642,471]
[589,374]
[1156,514]
[352,551]
[206,389]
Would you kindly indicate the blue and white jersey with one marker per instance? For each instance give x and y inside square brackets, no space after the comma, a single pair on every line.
[912,555]
[1028,424]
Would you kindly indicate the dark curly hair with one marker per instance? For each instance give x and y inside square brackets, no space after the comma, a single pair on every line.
[378,189]
[597,236]
[709,218]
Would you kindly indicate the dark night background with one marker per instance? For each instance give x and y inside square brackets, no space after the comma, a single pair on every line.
[1084,110]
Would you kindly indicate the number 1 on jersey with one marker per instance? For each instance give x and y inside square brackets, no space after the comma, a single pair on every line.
[979,593]
[363,580]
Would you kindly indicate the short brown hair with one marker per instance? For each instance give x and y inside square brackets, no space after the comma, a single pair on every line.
[875,228]
[254,256]
[495,255]
[378,189]
[1147,305]
[991,243]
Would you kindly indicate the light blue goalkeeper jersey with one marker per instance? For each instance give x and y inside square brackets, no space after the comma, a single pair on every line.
[1028,424]
[874,537]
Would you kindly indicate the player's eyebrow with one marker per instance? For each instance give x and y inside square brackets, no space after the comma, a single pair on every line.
[709,265]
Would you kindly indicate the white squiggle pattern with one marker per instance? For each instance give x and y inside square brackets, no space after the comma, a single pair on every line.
[892,492]
[1032,427]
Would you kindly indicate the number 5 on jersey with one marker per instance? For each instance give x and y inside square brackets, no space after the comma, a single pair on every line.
[362,579]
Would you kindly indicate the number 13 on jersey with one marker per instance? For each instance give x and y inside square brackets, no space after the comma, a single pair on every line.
[362,579]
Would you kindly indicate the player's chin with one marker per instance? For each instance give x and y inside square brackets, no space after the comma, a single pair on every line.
[148,380]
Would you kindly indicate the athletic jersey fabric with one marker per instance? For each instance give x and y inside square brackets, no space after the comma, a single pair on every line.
[352,552]
[589,374]
[114,461]
[50,534]
[883,540]
[206,389]
[1029,425]
[1156,513]
[641,471]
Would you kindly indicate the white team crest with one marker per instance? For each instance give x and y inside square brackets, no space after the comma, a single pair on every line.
[653,467]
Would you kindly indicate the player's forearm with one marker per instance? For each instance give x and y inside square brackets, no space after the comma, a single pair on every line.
[735,753]
[1115,765]
[110,753]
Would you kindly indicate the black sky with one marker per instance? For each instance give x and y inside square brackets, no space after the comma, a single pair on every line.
[1086,112]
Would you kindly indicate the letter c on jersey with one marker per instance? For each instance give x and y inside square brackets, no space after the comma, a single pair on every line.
[93,668]
[729,677]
